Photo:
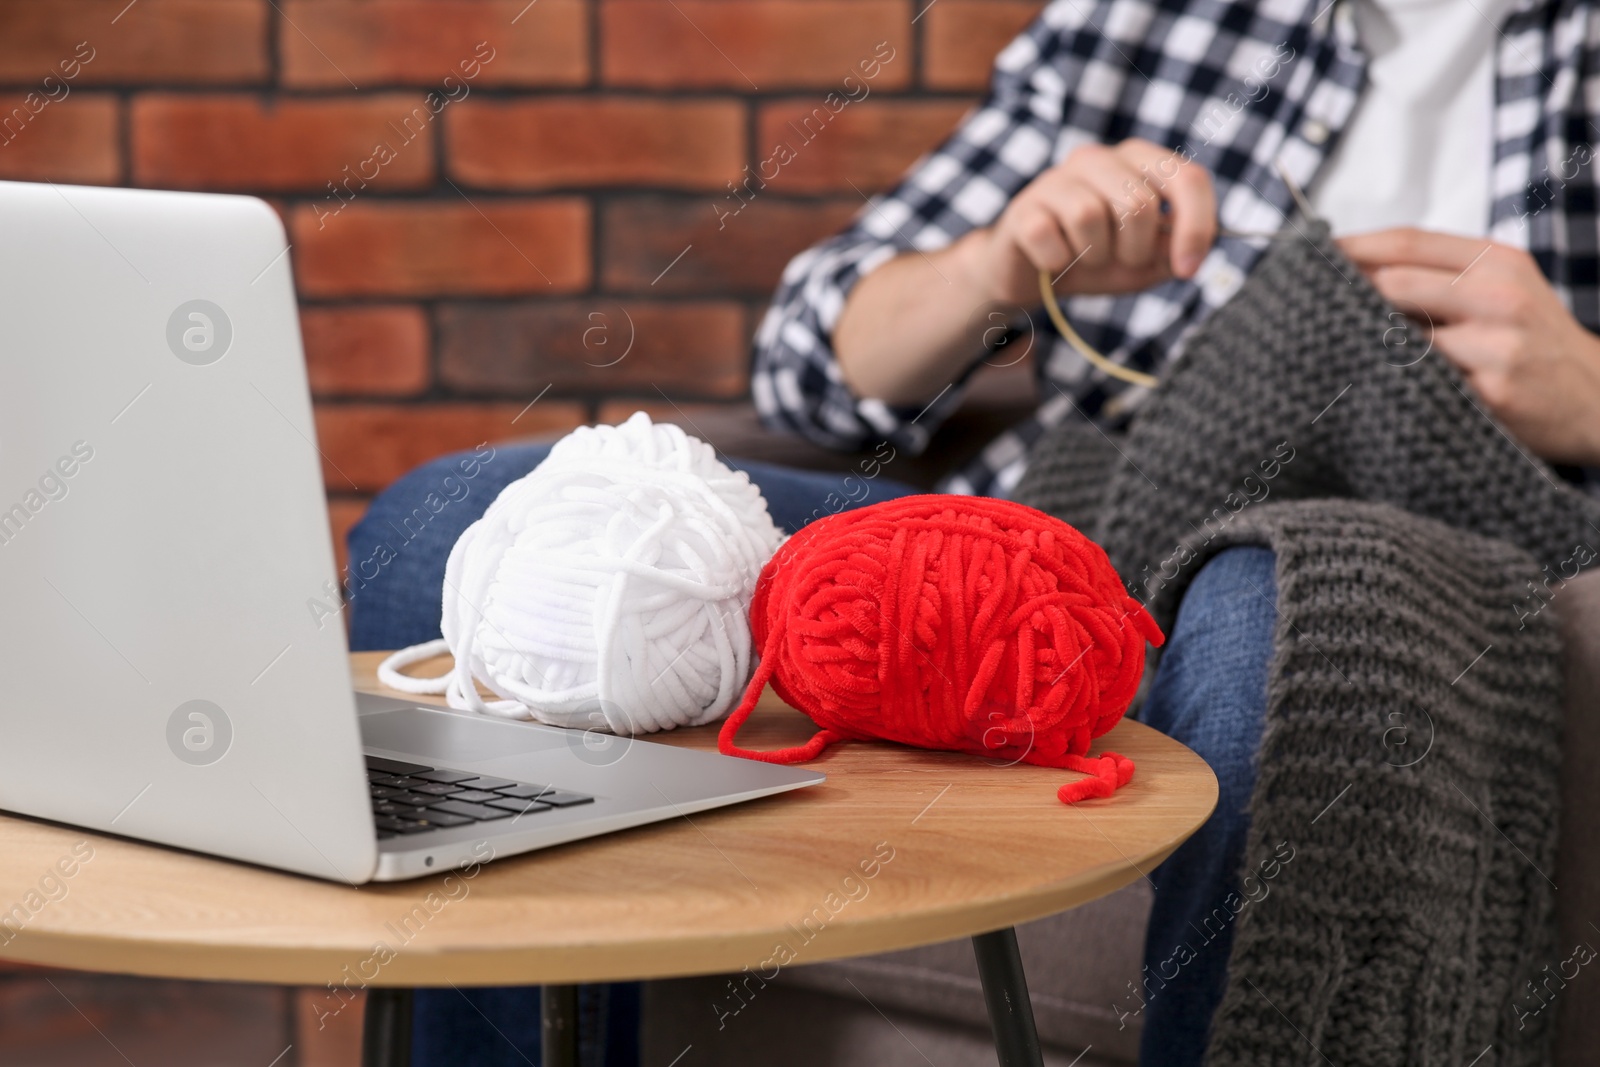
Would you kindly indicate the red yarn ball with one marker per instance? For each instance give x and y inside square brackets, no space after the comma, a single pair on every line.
[965,624]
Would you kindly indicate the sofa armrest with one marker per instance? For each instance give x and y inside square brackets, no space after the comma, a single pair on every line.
[997,399]
[1577,873]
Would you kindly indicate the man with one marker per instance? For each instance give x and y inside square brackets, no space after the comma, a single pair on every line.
[1136,150]
[1069,166]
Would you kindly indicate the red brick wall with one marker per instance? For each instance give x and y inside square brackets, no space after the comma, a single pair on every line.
[574,180]
[497,256]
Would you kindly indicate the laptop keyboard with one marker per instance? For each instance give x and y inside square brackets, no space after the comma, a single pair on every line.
[413,798]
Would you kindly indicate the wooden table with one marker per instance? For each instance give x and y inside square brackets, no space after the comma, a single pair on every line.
[976,847]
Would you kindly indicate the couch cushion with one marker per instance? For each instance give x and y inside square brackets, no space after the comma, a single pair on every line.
[786,1026]
[918,1005]
[1079,965]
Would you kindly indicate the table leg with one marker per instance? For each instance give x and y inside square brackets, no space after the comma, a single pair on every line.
[558,1011]
[386,1028]
[1005,990]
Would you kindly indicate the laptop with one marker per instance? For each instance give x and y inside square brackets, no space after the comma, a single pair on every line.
[170,672]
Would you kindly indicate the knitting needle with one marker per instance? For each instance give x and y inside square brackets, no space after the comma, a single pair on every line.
[1300,202]
[1116,370]
[1052,307]
[1246,235]
[1252,235]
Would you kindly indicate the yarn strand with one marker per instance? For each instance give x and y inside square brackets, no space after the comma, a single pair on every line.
[389,670]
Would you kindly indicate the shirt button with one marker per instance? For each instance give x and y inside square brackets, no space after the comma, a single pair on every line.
[1314,131]
[1344,21]
[1220,282]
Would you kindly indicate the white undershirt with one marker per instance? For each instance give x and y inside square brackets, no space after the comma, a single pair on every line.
[1419,148]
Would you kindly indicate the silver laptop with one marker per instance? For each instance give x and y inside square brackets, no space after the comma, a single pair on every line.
[164,544]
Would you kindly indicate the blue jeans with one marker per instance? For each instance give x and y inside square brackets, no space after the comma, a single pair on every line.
[394,589]
[1210,692]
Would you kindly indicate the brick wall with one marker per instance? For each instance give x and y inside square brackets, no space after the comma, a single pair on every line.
[572,178]
[462,246]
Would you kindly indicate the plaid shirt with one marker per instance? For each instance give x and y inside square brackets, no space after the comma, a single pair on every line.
[1241,87]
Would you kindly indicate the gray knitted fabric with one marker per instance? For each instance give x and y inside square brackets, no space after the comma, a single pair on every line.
[1410,757]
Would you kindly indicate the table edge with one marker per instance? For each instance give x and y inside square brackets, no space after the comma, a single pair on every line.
[601,962]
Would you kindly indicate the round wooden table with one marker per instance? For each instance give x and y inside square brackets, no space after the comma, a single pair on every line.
[898,848]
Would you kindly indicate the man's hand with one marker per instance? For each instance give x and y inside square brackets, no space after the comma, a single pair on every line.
[911,327]
[1496,318]
[1099,211]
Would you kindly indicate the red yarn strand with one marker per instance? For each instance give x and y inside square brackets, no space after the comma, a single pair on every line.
[730,728]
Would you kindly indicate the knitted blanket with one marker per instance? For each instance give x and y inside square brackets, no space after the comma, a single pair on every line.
[1410,756]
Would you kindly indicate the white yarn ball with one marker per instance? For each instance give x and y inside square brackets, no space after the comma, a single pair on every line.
[615,577]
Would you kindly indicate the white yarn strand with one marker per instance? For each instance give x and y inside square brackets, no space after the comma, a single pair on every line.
[608,588]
